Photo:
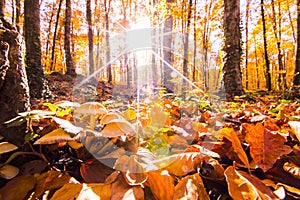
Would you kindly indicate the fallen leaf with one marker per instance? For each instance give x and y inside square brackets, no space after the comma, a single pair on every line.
[295,125]
[122,191]
[161,184]
[8,171]
[241,187]
[67,126]
[17,188]
[265,147]
[292,169]
[94,171]
[7,147]
[108,117]
[157,117]
[68,191]
[229,133]
[33,167]
[191,187]
[56,136]
[48,181]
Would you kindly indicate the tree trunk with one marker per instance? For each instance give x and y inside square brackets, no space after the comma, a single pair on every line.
[67,41]
[267,61]
[90,36]
[186,41]
[296,80]
[18,13]
[14,91]
[52,68]
[2,6]
[167,49]
[232,49]
[107,39]
[33,47]
[247,43]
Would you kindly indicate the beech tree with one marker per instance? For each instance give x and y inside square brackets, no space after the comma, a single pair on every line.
[232,49]
[33,47]
[296,80]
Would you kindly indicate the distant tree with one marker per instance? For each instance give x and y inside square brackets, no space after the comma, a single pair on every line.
[267,61]
[107,39]
[296,80]
[67,41]
[167,47]
[90,36]
[232,49]
[33,47]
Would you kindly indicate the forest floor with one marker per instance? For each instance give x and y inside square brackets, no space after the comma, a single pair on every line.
[194,147]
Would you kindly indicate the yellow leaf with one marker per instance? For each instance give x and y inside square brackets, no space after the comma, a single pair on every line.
[75,145]
[56,136]
[129,114]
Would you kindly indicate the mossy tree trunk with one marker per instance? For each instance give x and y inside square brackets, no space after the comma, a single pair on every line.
[14,90]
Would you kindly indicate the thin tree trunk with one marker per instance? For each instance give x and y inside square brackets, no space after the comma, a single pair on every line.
[90,37]
[186,41]
[247,43]
[296,80]
[232,48]
[2,8]
[18,7]
[267,61]
[167,49]
[107,39]
[33,47]
[67,40]
[195,43]
[54,37]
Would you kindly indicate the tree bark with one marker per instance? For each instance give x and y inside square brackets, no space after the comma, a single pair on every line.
[14,90]
[2,6]
[267,61]
[296,80]
[167,49]
[33,47]
[67,41]
[90,36]
[107,40]
[232,49]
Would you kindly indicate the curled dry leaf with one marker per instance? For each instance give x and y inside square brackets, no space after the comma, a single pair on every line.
[56,136]
[292,169]
[295,125]
[132,170]
[191,187]
[17,188]
[229,134]
[48,181]
[109,116]
[244,186]
[118,127]
[265,147]
[7,147]
[121,190]
[161,184]
[9,171]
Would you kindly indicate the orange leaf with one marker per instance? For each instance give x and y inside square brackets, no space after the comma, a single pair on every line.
[93,171]
[236,145]
[56,136]
[244,186]
[265,147]
[121,190]
[191,187]
[161,184]
[118,127]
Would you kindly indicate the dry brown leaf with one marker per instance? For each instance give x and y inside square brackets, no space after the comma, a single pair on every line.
[48,181]
[133,171]
[212,169]
[93,171]
[95,191]
[56,136]
[241,187]
[161,184]
[191,187]
[7,147]
[8,171]
[236,145]
[68,191]
[122,191]
[265,147]
[17,188]
[295,125]
[118,127]
[292,169]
